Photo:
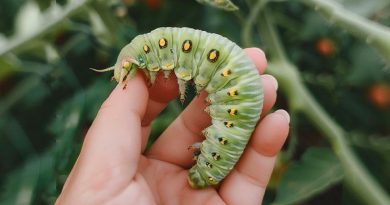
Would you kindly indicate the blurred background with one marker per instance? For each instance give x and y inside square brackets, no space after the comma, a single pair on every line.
[332,68]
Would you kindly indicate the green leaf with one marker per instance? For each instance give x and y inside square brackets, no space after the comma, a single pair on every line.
[317,171]
[24,185]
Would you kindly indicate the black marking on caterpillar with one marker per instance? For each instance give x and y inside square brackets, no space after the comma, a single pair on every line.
[214,64]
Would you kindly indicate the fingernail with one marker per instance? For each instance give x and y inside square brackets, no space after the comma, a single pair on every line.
[284,114]
[273,80]
[259,50]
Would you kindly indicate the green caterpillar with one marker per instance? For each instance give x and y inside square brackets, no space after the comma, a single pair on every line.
[214,64]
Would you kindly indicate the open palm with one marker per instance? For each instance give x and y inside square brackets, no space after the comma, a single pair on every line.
[112,169]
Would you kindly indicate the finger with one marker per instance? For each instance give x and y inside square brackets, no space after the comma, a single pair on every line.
[113,142]
[159,176]
[160,94]
[171,146]
[253,171]
[258,58]
[270,86]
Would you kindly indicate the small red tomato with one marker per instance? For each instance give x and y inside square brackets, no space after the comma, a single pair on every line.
[325,47]
[153,4]
[379,95]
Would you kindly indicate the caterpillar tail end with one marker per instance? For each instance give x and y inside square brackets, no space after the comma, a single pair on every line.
[195,180]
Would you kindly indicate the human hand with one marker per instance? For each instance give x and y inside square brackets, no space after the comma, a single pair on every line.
[112,169]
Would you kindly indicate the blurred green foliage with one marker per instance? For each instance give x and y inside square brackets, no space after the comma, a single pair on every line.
[49,97]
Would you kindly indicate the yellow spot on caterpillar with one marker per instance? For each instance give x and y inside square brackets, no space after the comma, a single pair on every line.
[215,156]
[163,42]
[187,46]
[155,69]
[226,72]
[126,64]
[167,66]
[222,140]
[213,55]
[146,48]
[211,179]
[232,92]
[232,111]
[184,75]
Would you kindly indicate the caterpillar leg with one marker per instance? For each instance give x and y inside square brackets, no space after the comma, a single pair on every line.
[196,146]
[166,74]
[125,82]
[182,89]
[196,150]
[195,179]
[152,77]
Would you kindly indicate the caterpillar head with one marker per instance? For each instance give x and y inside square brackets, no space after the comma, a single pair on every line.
[125,68]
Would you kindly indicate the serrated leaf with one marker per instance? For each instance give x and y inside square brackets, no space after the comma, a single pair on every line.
[318,170]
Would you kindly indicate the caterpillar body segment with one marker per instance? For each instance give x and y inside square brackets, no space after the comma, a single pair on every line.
[214,64]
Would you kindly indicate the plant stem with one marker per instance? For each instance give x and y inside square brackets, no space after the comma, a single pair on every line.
[301,100]
[246,33]
[374,34]
[19,42]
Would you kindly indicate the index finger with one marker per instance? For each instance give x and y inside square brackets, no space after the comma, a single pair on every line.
[114,138]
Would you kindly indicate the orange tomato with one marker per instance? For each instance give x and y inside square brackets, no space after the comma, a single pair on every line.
[153,4]
[379,95]
[325,47]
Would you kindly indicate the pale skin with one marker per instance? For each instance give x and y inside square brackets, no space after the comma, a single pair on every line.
[112,168]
